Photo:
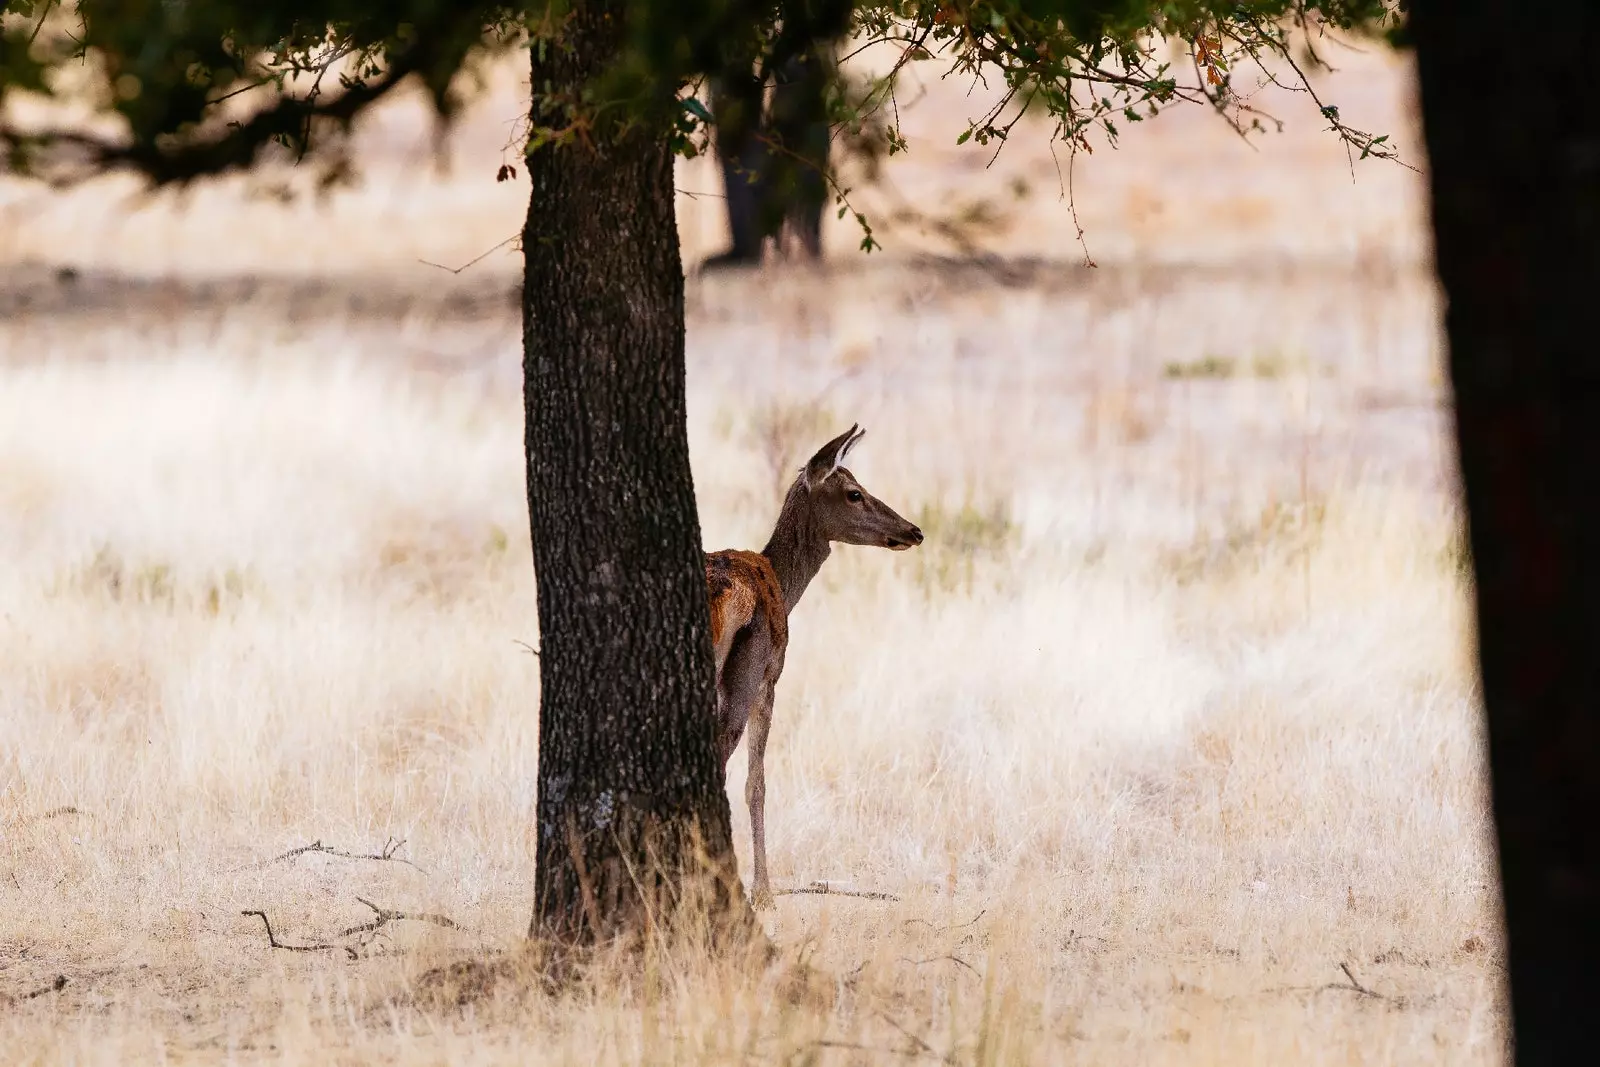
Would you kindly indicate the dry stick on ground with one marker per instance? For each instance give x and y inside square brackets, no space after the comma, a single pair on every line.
[272,939]
[1338,987]
[384,916]
[67,809]
[53,813]
[1355,985]
[1073,937]
[55,986]
[367,930]
[926,1049]
[857,1047]
[946,929]
[824,889]
[938,959]
[390,847]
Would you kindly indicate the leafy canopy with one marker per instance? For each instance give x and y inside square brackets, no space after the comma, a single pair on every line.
[198,87]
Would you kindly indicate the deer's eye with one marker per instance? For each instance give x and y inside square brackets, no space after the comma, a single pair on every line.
[853,496]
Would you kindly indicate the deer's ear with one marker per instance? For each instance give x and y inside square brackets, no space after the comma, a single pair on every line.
[857,433]
[830,456]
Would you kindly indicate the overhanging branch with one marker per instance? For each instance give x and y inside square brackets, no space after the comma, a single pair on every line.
[67,156]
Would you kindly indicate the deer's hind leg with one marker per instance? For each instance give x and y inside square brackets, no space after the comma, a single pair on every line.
[755,794]
[739,685]
[748,679]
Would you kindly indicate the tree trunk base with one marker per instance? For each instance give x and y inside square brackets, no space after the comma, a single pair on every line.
[634,831]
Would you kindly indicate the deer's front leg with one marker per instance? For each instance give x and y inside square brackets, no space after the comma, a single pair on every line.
[755,795]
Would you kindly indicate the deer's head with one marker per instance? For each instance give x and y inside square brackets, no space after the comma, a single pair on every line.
[841,508]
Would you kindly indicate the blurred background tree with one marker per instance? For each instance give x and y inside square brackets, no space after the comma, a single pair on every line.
[177,91]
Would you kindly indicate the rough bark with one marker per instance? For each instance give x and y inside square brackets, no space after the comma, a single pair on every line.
[1515,175]
[631,808]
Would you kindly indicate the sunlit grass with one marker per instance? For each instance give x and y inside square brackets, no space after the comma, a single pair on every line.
[1166,741]
[1156,733]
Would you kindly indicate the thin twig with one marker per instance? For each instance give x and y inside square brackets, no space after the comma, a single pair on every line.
[824,889]
[388,855]
[1353,986]
[1072,205]
[1349,134]
[53,813]
[67,809]
[230,94]
[384,916]
[364,931]
[1219,104]
[34,36]
[474,260]
[857,1047]
[272,939]
[926,1048]
[1357,986]
[945,929]
[56,985]
[939,959]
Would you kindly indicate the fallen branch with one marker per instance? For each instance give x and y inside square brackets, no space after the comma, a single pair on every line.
[946,929]
[55,986]
[272,939]
[385,916]
[827,889]
[1355,985]
[854,1046]
[388,855]
[925,1048]
[938,959]
[66,809]
[53,813]
[364,932]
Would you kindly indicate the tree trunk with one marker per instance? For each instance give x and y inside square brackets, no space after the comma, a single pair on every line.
[1515,172]
[631,808]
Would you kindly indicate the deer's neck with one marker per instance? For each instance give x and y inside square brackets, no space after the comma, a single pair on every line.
[797,549]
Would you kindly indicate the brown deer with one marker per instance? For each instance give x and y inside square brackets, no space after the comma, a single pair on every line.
[752,594]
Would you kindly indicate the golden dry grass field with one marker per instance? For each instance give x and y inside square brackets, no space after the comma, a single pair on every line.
[1166,742]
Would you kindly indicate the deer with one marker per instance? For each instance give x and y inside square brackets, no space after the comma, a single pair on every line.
[752,594]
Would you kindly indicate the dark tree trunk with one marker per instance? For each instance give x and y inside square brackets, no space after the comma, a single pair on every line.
[631,805]
[1516,213]
[775,162]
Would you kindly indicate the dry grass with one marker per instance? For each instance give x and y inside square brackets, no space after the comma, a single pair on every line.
[1170,721]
